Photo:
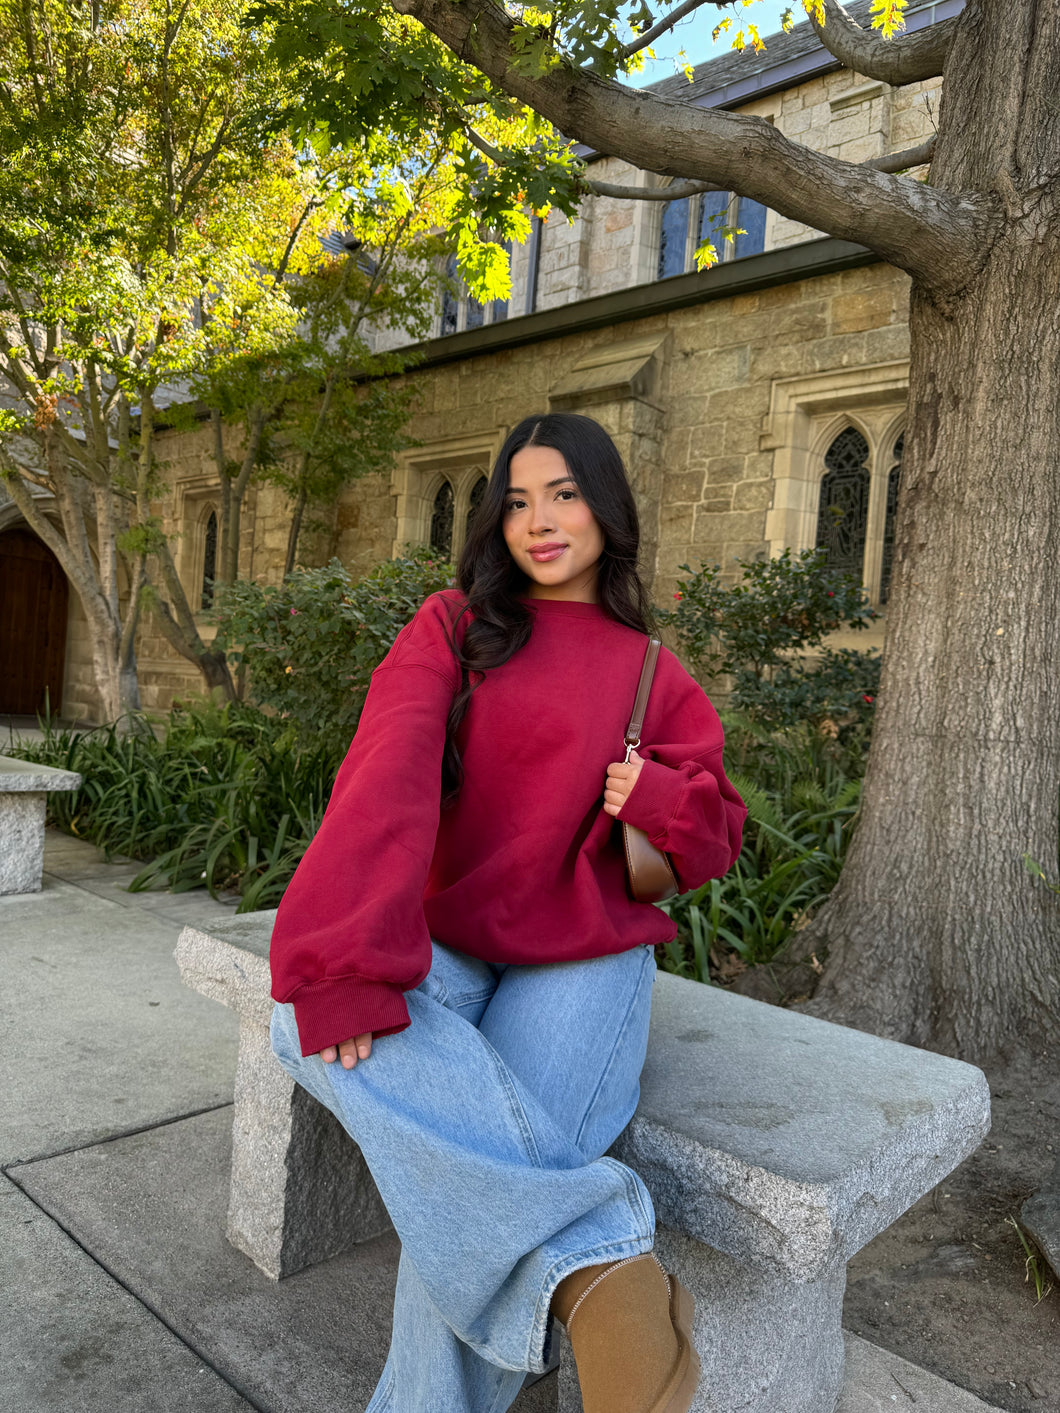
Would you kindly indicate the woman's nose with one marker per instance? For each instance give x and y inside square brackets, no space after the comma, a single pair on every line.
[540,520]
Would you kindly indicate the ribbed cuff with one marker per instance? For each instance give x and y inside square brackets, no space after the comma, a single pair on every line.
[653,801]
[329,1012]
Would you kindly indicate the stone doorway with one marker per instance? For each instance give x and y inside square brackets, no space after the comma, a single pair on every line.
[33,604]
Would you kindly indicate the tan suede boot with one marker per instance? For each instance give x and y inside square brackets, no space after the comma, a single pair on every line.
[630,1326]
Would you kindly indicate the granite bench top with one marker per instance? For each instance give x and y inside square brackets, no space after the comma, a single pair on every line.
[27,776]
[768,1134]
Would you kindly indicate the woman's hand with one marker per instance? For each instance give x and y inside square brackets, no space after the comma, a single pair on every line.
[621,777]
[349,1052]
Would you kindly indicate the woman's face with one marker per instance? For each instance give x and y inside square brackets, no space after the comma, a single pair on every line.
[550,531]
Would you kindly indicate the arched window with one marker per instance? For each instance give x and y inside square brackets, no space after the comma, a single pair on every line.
[713,209]
[894,476]
[478,490]
[442,521]
[751,219]
[209,561]
[673,238]
[686,224]
[460,310]
[450,299]
[843,513]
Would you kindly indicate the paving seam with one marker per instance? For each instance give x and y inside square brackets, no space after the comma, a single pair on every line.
[6,1168]
[200,1354]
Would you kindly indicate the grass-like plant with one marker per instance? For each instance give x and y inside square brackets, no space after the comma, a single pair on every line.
[802,791]
[225,798]
[1034,1266]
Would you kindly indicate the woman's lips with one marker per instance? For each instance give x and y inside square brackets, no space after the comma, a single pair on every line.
[544,553]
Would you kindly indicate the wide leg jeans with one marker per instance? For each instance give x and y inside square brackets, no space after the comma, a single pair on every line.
[484,1125]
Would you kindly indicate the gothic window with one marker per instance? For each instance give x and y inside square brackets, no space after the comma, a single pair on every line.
[713,208]
[442,521]
[893,479]
[450,300]
[209,561]
[751,219]
[478,490]
[687,223]
[843,513]
[673,238]
[460,309]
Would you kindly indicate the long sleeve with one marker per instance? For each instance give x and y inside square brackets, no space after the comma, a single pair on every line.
[683,799]
[350,934]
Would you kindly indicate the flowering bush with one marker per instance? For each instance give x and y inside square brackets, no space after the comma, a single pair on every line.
[308,646]
[754,632]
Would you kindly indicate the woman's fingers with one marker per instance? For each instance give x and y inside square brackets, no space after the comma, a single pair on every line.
[349,1052]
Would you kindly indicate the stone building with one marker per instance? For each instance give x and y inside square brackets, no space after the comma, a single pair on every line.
[758,405]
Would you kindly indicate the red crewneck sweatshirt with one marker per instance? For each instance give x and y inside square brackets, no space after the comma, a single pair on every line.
[525,866]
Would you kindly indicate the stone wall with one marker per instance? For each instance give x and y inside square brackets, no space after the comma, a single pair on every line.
[721,409]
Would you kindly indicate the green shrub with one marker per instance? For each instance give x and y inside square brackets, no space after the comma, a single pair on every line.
[802,789]
[752,631]
[225,799]
[309,646]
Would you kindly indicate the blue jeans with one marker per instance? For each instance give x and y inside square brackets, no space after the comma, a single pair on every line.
[484,1125]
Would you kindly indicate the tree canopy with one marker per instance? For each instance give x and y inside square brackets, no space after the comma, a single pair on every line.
[936,932]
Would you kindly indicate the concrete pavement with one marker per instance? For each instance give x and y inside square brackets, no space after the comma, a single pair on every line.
[122,1294]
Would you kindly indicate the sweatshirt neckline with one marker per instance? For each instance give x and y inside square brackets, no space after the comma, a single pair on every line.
[564,608]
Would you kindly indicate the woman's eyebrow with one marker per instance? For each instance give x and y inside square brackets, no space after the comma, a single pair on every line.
[560,481]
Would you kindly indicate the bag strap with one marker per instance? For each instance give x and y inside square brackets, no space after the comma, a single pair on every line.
[640,702]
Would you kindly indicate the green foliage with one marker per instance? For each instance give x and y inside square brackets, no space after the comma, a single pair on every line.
[355,66]
[802,790]
[225,799]
[309,645]
[230,799]
[752,631]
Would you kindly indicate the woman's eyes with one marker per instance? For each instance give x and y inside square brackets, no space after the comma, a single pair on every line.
[565,494]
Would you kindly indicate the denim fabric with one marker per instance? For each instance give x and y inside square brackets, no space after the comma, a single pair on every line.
[484,1125]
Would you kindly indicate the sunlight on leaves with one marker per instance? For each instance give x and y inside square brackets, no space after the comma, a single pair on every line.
[888,16]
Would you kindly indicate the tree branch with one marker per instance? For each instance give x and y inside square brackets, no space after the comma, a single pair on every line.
[939,237]
[903,161]
[666,23]
[674,192]
[908,58]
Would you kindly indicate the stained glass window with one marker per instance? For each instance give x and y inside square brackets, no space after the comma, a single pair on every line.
[209,561]
[751,218]
[713,206]
[843,516]
[500,306]
[478,490]
[450,299]
[442,521]
[894,477]
[673,239]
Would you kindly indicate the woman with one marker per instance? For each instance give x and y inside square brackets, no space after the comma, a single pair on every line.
[484,1073]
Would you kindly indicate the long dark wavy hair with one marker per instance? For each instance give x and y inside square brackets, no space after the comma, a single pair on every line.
[491,582]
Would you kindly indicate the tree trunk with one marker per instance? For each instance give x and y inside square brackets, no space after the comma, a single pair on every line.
[937,933]
[294,532]
[116,681]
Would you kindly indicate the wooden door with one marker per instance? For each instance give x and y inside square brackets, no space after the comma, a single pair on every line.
[33,602]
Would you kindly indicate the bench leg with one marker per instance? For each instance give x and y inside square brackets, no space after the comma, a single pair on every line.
[765,1342]
[21,841]
[301,1192]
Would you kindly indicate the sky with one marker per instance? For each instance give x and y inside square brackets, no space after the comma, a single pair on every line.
[693,35]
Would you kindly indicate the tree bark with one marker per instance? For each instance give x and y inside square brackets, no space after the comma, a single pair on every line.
[939,236]
[294,532]
[936,933]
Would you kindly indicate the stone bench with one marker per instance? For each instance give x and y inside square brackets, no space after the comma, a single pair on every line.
[774,1146]
[23,786]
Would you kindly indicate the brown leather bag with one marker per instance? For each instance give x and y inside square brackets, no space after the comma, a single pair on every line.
[650,874]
